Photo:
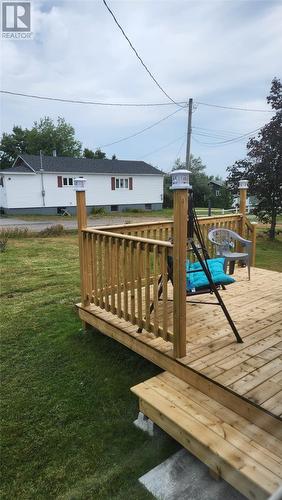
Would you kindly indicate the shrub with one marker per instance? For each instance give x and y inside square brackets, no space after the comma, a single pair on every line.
[14,232]
[133,210]
[98,211]
[3,242]
[57,230]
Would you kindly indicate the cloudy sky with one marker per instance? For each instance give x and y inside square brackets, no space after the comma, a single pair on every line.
[218,52]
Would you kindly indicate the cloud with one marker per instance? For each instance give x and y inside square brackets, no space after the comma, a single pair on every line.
[221,52]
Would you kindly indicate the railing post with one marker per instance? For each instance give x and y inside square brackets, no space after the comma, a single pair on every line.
[79,185]
[254,243]
[243,187]
[180,185]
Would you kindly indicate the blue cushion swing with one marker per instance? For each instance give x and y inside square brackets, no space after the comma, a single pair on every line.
[196,278]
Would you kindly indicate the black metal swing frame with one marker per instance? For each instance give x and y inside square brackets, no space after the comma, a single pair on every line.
[194,228]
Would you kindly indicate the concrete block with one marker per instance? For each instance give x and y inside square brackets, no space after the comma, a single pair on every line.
[183,477]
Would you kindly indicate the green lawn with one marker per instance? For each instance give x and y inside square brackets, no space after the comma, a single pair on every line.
[66,409]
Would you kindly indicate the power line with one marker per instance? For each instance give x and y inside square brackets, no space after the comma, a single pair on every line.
[229,141]
[165,146]
[180,149]
[95,103]
[137,55]
[233,132]
[125,104]
[235,108]
[141,131]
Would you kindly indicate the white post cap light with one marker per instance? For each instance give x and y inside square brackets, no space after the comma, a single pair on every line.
[243,184]
[79,184]
[180,179]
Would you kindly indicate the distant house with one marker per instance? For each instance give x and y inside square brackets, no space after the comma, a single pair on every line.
[251,202]
[215,187]
[46,187]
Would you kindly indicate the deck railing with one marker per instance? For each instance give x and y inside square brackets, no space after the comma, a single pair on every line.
[163,230]
[122,275]
[122,267]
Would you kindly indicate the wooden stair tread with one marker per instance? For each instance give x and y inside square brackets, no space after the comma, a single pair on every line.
[246,456]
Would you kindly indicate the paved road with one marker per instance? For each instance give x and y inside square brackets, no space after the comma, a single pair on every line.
[39,225]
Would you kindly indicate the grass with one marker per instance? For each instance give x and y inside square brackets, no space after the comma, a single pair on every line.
[67,412]
[164,213]
[269,253]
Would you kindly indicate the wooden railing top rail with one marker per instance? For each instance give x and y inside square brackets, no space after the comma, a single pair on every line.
[128,237]
[220,217]
[137,225]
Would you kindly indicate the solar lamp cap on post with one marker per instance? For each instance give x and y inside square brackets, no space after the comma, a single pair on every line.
[243,184]
[80,184]
[180,179]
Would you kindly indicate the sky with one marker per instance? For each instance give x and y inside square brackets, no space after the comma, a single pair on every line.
[223,52]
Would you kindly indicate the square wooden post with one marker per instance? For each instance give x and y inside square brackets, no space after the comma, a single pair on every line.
[243,187]
[180,186]
[79,184]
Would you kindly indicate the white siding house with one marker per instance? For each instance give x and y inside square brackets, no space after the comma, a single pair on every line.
[111,184]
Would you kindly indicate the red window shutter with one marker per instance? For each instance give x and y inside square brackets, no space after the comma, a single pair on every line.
[60,181]
[130,183]
[113,181]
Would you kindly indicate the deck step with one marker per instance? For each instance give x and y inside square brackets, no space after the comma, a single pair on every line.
[239,451]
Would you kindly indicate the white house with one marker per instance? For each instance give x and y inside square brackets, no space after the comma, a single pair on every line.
[44,184]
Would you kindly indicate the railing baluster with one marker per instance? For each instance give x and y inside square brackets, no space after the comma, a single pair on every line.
[164,294]
[125,278]
[107,269]
[94,269]
[100,271]
[147,286]
[132,281]
[118,275]
[139,284]
[155,288]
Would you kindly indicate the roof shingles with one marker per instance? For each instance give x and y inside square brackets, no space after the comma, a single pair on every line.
[65,164]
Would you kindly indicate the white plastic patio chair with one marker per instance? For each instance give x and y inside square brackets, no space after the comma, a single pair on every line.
[225,239]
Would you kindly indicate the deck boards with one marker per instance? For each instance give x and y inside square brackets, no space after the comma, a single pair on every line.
[249,458]
[252,369]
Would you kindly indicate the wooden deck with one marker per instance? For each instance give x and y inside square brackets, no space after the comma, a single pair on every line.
[252,370]
[240,452]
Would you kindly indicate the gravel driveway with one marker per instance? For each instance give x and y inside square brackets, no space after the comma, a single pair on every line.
[39,225]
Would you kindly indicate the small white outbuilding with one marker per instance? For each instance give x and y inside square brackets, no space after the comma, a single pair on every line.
[44,185]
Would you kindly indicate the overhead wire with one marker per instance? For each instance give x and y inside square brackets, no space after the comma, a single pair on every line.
[141,131]
[126,104]
[163,147]
[94,103]
[137,55]
[228,141]
[234,107]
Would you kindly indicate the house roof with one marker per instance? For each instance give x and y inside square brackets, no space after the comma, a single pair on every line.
[216,183]
[66,164]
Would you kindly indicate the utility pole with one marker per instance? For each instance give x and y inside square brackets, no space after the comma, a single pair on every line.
[189,132]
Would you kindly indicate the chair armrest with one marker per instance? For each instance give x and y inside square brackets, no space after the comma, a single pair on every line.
[243,241]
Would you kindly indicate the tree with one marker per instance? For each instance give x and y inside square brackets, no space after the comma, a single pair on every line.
[94,155]
[263,165]
[198,179]
[45,135]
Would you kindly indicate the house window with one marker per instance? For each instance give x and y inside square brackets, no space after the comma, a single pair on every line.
[217,193]
[148,206]
[122,183]
[2,182]
[114,208]
[65,181]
